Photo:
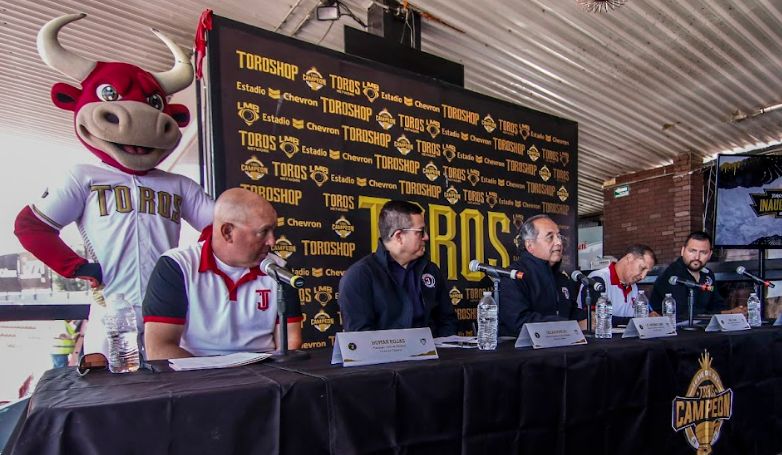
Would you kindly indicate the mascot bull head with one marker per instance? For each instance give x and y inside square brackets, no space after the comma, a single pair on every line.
[121,112]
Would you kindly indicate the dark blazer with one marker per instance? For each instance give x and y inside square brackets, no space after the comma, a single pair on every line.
[543,294]
[370,298]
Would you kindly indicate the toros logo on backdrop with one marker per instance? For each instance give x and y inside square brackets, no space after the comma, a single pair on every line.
[254,168]
[343,227]
[489,124]
[455,295]
[702,411]
[283,247]
[403,144]
[314,79]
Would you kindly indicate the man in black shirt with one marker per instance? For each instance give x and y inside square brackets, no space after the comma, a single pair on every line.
[690,266]
[544,293]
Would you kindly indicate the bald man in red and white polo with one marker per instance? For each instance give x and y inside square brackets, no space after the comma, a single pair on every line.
[212,298]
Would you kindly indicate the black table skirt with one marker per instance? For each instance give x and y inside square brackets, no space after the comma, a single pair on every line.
[609,397]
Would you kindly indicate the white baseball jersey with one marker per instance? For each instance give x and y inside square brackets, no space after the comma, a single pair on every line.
[224,309]
[622,297]
[126,221]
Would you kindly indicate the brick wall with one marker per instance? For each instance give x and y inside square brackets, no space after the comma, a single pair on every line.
[664,205]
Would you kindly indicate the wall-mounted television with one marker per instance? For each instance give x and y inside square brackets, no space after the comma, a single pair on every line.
[749,201]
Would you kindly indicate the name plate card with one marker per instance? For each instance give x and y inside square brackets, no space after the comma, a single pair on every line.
[382,346]
[645,328]
[541,335]
[727,323]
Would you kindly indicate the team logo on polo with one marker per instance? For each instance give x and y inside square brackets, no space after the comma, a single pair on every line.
[431,172]
[455,295]
[533,153]
[324,294]
[544,173]
[262,303]
[433,127]
[473,176]
[289,145]
[322,321]
[566,292]
[489,124]
[701,412]
[283,247]
[451,195]
[562,193]
[385,119]
[403,144]
[314,79]
[428,280]
[254,168]
[449,152]
[524,130]
[343,227]
[319,174]
[248,112]
[371,91]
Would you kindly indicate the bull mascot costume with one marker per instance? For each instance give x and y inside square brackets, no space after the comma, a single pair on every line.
[127,212]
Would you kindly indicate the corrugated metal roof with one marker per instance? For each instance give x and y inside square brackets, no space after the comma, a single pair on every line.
[646,81]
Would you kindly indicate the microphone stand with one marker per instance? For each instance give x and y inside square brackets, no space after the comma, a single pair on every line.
[282,354]
[588,303]
[495,279]
[690,306]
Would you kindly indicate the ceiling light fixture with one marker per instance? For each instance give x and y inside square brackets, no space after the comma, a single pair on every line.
[601,6]
[332,10]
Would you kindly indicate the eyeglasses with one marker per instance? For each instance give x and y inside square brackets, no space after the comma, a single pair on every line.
[550,237]
[421,231]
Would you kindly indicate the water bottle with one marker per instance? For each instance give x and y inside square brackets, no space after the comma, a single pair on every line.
[753,310]
[669,308]
[122,334]
[487,323]
[605,316]
[641,306]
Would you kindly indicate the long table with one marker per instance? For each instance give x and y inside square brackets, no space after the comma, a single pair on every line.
[609,397]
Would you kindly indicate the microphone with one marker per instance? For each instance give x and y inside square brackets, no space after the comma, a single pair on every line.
[674,280]
[269,267]
[513,274]
[579,277]
[743,271]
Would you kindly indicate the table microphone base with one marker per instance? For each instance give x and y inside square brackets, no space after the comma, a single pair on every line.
[290,356]
[691,328]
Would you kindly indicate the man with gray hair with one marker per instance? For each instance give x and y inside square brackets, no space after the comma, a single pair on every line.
[396,287]
[544,293]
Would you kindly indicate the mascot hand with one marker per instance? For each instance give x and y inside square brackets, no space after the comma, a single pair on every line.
[91,272]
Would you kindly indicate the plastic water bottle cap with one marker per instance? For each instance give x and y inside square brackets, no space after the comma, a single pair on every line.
[485,293]
[117,301]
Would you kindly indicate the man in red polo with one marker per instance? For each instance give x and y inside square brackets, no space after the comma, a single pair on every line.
[212,298]
[620,280]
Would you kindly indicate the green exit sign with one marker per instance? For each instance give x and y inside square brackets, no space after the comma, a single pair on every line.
[621,191]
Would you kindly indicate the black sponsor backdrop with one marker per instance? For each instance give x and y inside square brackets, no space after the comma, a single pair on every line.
[478,166]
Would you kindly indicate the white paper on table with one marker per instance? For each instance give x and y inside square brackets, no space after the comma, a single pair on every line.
[456,341]
[218,361]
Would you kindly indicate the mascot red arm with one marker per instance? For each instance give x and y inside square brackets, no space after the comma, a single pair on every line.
[127,212]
